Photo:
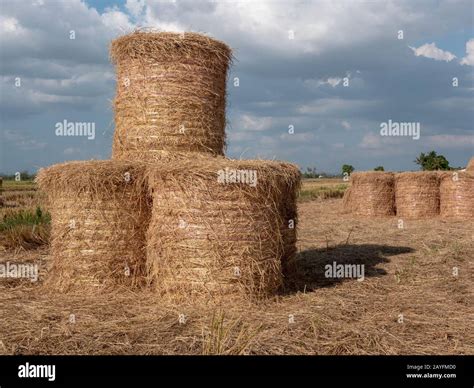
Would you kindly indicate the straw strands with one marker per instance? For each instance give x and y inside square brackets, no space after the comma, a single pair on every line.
[99,216]
[171,93]
[457,195]
[470,166]
[218,227]
[417,194]
[371,194]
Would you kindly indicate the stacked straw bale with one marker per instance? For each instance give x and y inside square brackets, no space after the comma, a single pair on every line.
[417,194]
[180,223]
[210,238]
[171,94]
[99,215]
[457,195]
[372,194]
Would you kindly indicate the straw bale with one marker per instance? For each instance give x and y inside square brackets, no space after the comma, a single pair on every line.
[171,93]
[417,194]
[470,166]
[99,213]
[457,195]
[346,201]
[211,237]
[371,194]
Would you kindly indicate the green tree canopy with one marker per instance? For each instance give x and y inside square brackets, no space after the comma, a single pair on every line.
[432,161]
[347,168]
[379,168]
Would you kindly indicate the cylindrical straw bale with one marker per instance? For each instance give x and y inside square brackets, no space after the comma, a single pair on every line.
[417,194]
[457,195]
[171,94]
[99,214]
[218,228]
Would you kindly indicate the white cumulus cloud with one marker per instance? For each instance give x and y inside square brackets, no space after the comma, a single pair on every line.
[469,58]
[429,50]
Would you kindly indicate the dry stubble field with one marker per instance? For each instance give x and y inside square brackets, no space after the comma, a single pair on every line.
[409,302]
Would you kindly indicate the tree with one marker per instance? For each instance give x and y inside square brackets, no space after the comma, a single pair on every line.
[379,168]
[432,161]
[310,172]
[347,169]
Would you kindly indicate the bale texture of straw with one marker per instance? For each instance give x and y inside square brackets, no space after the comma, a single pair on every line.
[470,166]
[99,214]
[417,194]
[220,227]
[171,93]
[346,201]
[457,195]
[372,194]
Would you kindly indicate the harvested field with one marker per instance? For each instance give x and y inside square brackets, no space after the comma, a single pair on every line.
[410,301]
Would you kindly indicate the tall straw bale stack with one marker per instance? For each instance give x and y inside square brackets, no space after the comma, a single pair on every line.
[470,166]
[99,213]
[457,195]
[171,93]
[417,194]
[372,194]
[218,228]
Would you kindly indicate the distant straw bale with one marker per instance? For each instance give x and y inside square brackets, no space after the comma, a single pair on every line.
[417,194]
[457,195]
[372,194]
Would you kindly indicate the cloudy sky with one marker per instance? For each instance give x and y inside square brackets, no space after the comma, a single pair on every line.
[332,70]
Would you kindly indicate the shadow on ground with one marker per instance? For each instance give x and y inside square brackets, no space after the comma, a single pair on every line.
[309,269]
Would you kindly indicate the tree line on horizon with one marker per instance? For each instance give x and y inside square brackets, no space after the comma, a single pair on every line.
[430,161]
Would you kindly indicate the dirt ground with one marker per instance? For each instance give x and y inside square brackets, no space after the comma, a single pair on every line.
[416,298]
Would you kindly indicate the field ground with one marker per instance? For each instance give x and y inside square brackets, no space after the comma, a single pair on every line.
[410,302]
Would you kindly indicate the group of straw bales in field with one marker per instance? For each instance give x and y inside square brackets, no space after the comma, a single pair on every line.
[169,211]
[414,195]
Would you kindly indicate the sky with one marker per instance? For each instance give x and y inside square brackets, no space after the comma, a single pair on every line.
[317,79]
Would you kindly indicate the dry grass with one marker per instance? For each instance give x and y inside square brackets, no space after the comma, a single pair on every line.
[19,227]
[408,271]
